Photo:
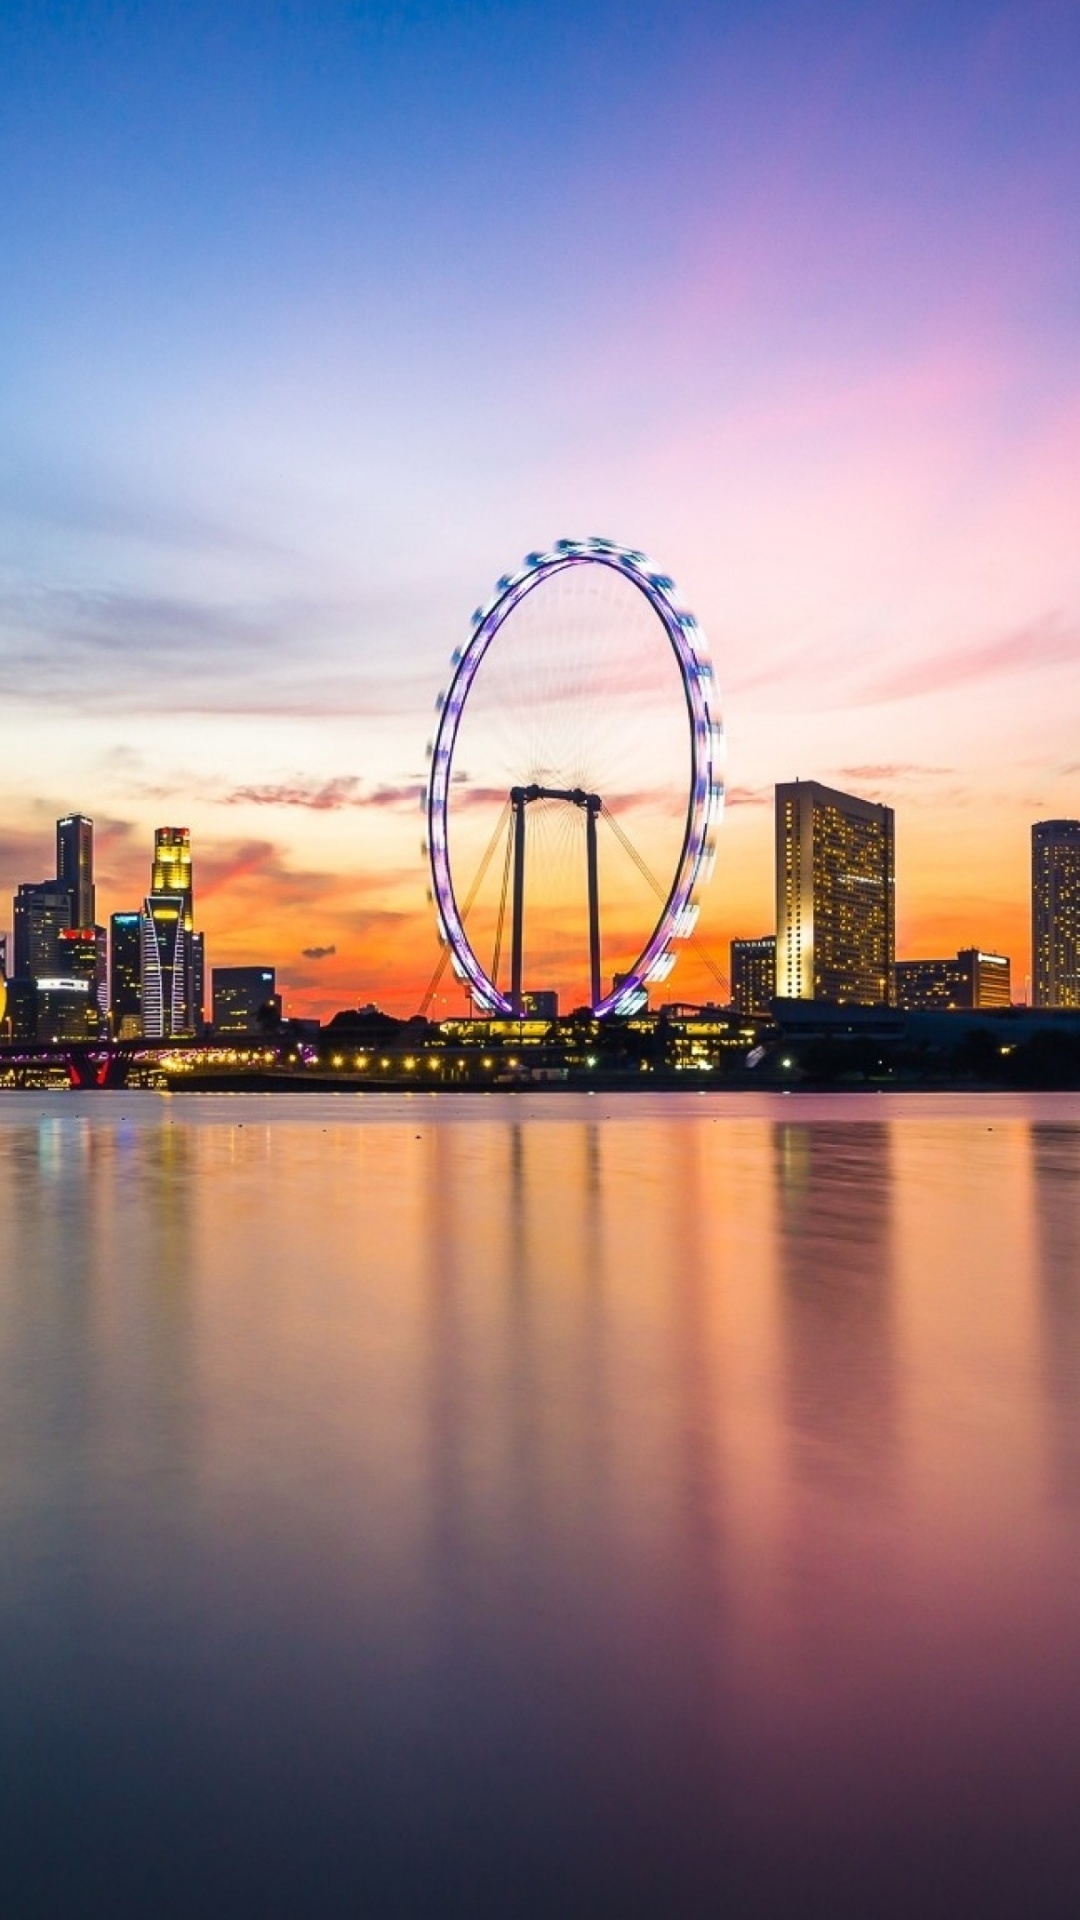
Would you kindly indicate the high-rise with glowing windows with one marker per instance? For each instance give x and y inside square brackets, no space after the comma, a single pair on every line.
[835,896]
[168,940]
[1055,913]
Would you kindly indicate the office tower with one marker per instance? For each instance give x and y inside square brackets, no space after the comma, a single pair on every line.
[83,956]
[244,999]
[20,1011]
[972,979]
[753,975]
[165,971]
[75,866]
[835,896]
[168,943]
[68,1001]
[198,982]
[1055,913]
[172,862]
[42,910]
[3,956]
[125,976]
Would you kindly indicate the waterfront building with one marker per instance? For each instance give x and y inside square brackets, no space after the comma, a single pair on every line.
[41,911]
[1055,913]
[244,999]
[835,896]
[543,1005]
[125,976]
[753,975]
[20,1010]
[172,960]
[972,979]
[165,973]
[198,982]
[83,955]
[65,1008]
[75,866]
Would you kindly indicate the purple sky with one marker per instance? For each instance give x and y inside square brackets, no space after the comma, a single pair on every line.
[314,320]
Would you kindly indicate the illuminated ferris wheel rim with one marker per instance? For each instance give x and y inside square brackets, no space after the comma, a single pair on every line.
[705,789]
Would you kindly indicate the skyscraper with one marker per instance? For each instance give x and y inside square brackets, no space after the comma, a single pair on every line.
[172,862]
[165,970]
[835,896]
[1055,913]
[125,975]
[169,954]
[41,911]
[75,865]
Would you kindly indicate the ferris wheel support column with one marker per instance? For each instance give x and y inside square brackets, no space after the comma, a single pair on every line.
[592,808]
[517,802]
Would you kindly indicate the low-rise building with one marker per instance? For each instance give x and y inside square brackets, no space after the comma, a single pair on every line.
[973,978]
[245,999]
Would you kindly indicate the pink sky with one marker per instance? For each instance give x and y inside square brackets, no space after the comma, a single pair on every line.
[796,312]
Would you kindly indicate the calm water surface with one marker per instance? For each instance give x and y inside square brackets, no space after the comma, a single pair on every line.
[539,1505]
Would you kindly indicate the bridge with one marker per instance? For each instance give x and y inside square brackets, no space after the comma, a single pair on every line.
[92,1065]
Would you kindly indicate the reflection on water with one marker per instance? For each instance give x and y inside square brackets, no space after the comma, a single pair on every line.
[554,1505]
[1055,1164]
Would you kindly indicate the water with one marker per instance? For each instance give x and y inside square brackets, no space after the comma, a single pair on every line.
[553,1504]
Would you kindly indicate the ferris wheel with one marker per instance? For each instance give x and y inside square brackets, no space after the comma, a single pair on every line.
[579,738]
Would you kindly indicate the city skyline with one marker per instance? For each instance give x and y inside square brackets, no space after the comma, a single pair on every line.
[834,938]
[299,362]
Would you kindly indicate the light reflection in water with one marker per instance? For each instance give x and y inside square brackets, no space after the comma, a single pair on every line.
[540,1505]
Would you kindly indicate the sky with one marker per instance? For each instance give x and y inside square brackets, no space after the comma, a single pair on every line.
[315,319]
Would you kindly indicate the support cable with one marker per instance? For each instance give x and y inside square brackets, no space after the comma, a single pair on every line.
[661,894]
[507,858]
[444,956]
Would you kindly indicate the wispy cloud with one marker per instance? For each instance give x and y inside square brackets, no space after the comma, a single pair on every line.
[893,770]
[103,650]
[318,953]
[748,797]
[320,796]
[1045,642]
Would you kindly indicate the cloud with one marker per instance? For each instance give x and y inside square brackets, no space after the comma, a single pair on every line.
[102,650]
[325,797]
[748,797]
[892,770]
[317,953]
[1045,642]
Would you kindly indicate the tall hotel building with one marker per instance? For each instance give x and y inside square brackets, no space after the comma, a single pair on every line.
[1055,913]
[835,896]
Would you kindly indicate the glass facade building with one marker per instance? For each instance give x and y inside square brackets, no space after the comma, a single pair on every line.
[1055,913]
[75,866]
[165,973]
[42,912]
[172,956]
[835,896]
[239,997]
[125,976]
